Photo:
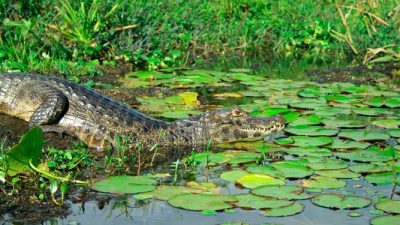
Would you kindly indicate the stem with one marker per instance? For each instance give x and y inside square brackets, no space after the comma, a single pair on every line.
[52,176]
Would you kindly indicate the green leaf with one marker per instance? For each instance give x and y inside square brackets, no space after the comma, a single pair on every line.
[389,206]
[309,151]
[322,182]
[28,149]
[282,192]
[293,209]
[257,202]
[255,180]
[384,178]
[337,201]
[363,135]
[292,170]
[311,130]
[200,202]
[303,141]
[386,220]
[233,175]
[125,184]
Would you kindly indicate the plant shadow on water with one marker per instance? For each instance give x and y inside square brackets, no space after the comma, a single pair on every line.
[335,148]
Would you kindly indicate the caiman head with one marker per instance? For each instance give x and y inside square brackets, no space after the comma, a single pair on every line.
[224,126]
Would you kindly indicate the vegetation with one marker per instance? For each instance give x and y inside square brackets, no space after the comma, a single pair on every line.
[85,37]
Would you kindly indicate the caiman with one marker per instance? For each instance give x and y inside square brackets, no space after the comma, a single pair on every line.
[58,105]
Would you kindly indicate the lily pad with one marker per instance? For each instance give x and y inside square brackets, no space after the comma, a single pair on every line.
[199,202]
[233,175]
[371,154]
[322,182]
[384,178]
[385,220]
[369,168]
[282,192]
[257,202]
[266,169]
[292,170]
[303,141]
[389,206]
[337,201]
[348,144]
[165,192]
[371,111]
[363,135]
[306,120]
[255,180]
[293,209]
[309,151]
[328,164]
[335,122]
[311,130]
[387,123]
[125,184]
[338,173]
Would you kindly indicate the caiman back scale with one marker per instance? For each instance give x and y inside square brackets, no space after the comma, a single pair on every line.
[58,105]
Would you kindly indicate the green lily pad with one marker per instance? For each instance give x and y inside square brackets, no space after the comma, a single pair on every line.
[328,164]
[290,210]
[303,141]
[257,202]
[306,120]
[308,105]
[292,170]
[199,202]
[335,122]
[331,111]
[371,154]
[266,169]
[322,182]
[384,178]
[387,123]
[392,103]
[371,111]
[309,151]
[348,144]
[233,175]
[282,192]
[28,149]
[311,130]
[125,184]
[369,168]
[338,173]
[337,201]
[389,206]
[394,132]
[375,102]
[385,220]
[255,180]
[363,135]
[342,99]
[165,192]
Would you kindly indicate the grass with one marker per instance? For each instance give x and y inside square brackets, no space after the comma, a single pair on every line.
[65,36]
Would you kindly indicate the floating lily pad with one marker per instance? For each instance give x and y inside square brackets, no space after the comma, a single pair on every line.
[306,120]
[392,103]
[303,141]
[292,170]
[369,168]
[266,169]
[293,209]
[389,206]
[363,135]
[371,111]
[335,122]
[233,175]
[338,173]
[328,164]
[385,220]
[375,102]
[199,202]
[348,144]
[255,180]
[165,192]
[337,201]
[308,105]
[311,130]
[309,151]
[281,192]
[371,154]
[342,98]
[257,202]
[331,111]
[322,182]
[394,132]
[384,178]
[387,123]
[125,184]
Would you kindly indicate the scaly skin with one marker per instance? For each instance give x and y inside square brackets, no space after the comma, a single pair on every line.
[59,105]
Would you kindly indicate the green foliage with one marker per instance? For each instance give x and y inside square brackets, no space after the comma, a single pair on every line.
[61,36]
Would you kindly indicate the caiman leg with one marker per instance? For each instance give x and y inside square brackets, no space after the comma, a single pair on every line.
[53,105]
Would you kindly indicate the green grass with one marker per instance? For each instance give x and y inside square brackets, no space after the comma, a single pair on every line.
[65,36]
